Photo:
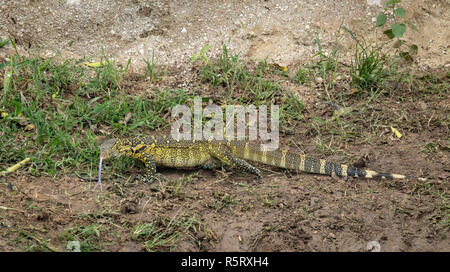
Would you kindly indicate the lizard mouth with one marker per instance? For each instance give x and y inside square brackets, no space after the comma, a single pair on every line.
[105,152]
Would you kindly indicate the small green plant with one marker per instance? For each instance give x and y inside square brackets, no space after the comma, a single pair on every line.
[88,237]
[202,55]
[3,43]
[324,70]
[152,74]
[372,64]
[290,113]
[164,233]
[231,73]
[430,147]
[327,62]
[179,184]
[368,64]
[223,201]
[301,77]
[268,199]
[397,29]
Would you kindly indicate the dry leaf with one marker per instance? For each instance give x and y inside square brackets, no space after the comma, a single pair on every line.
[396,132]
[29,127]
[95,64]
[126,119]
[3,114]
[280,67]
[353,91]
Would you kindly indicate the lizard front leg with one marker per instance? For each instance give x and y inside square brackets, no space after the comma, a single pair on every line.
[150,166]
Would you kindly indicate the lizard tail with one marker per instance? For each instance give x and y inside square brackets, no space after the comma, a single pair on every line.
[303,163]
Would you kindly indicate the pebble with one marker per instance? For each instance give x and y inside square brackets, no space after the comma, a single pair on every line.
[423,106]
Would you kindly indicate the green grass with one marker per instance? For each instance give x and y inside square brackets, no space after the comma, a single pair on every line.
[430,84]
[163,233]
[302,76]
[223,200]
[54,111]
[153,73]
[231,73]
[369,64]
[238,84]
[178,185]
[88,237]
[30,241]
[290,113]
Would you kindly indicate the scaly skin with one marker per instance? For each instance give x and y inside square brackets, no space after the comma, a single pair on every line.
[168,152]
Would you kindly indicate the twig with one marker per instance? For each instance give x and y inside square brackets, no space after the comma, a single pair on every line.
[12,209]
[14,168]
[85,179]
[30,236]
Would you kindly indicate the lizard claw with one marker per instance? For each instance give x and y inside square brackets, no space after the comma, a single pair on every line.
[259,179]
[145,178]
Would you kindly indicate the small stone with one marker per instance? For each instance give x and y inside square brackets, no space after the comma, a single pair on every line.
[423,106]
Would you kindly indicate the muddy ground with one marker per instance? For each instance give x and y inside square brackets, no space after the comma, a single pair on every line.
[223,210]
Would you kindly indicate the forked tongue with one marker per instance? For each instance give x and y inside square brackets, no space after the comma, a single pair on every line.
[100,173]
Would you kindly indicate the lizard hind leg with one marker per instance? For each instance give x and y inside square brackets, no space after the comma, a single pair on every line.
[226,157]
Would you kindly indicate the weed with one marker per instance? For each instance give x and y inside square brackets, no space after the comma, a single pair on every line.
[441,213]
[223,201]
[179,184]
[88,237]
[290,113]
[397,29]
[230,73]
[164,233]
[368,64]
[268,199]
[3,43]
[302,76]
[152,74]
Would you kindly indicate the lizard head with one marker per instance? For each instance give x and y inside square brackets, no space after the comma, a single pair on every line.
[108,149]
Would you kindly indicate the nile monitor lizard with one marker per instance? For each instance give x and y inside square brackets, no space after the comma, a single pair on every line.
[168,152]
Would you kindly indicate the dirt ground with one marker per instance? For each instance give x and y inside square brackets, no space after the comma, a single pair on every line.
[289,211]
[282,31]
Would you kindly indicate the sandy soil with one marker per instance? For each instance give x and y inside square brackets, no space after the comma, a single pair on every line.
[282,31]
